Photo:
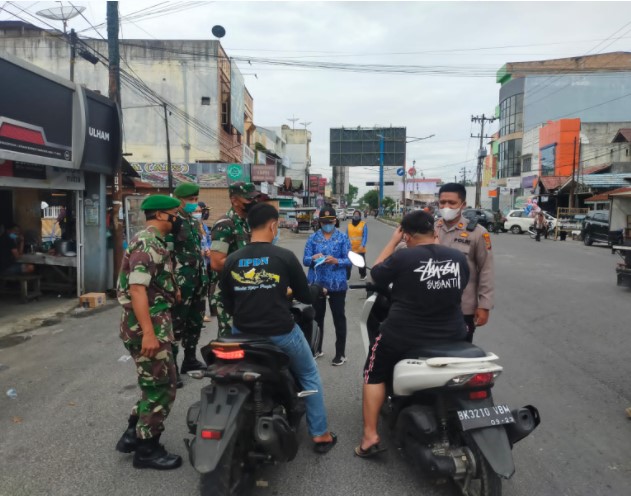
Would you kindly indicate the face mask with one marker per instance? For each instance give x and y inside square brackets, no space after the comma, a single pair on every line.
[197,215]
[248,206]
[176,223]
[328,228]
[189,208]
[277,237]
[357,218]
[449,214]
[13,236]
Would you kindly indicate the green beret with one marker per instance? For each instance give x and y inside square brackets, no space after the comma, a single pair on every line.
[246,190]
[159,202]
[184,190]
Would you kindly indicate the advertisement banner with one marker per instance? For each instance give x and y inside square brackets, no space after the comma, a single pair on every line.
[263,173]
[25,175]
[102,140]
[237,98]
[207,175]
[314,183]
[513,182]
[322,185]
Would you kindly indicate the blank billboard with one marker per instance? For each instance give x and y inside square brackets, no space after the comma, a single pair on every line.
[360,146]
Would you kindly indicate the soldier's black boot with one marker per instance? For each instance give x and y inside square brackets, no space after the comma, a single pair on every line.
[190,362]
[128,441]
[151,454]
[178,382]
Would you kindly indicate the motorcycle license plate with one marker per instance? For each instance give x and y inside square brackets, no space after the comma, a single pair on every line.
[475,418]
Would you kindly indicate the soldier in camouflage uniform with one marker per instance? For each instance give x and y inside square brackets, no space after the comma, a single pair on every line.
[230,233]
[147,290]
[191,277]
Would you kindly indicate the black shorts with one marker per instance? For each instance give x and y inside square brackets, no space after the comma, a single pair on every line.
[381,360]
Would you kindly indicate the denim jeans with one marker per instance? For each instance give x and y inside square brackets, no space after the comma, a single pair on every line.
[337,302]
[303,366]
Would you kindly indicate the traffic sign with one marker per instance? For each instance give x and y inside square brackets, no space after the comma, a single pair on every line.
[412,171]
[400,172]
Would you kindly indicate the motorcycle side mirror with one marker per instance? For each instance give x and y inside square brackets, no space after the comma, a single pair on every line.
[356,259]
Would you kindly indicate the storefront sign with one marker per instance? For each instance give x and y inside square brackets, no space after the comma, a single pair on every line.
[528,182]
[102,141]
[264,173]
[26,175]
[513,182]
[35,115]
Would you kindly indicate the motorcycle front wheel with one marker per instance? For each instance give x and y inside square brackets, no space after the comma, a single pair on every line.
[233,475]
[484,481]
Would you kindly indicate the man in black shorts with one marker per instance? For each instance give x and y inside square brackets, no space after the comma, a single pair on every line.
[427,284]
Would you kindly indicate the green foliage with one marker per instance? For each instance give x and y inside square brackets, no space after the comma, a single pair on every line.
[353,191]
[371,199]
[388,202]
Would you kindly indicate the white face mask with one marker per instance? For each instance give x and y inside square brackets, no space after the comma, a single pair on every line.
[449,214]
[197,215]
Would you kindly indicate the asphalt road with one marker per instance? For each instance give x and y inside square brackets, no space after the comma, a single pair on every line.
[560,328]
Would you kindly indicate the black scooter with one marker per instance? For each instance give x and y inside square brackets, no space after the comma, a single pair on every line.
[249,413]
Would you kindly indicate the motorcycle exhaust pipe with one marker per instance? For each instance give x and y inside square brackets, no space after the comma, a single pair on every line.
[434,465]
[526,420]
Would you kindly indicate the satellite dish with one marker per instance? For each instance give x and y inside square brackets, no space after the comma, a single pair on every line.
[62,13]
[218,31]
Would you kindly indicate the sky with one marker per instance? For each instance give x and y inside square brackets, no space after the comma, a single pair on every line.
[460,46]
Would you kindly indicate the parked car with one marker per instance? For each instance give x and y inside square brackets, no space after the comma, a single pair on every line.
[341,214]
[350,212]
[518,222]
[486,218]
[596,229]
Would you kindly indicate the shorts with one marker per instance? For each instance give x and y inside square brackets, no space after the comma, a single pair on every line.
[381,360]
[13,269]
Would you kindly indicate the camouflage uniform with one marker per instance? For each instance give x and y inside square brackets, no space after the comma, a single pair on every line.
[229,233]
[192,279]
[147,262]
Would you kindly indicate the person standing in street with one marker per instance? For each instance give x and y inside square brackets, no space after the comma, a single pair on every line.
[326,255]
[147,290]
[474,241]
[191,276]
[540,225]
[357,232]
[230,233]
[201,215]
[497,221]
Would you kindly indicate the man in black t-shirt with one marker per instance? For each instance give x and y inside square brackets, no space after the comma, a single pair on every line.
[254,284]
[11,249]
[427,284]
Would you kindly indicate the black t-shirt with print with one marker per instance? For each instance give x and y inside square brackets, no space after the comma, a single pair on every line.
[254,285]
[427,285]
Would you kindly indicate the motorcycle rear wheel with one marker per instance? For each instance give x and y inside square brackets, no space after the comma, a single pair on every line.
[485,482]
[233,476]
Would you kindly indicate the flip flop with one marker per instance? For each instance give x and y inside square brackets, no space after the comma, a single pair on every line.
[375,449]
[326,446]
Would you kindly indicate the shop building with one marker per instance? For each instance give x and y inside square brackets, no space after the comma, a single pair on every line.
[59,144]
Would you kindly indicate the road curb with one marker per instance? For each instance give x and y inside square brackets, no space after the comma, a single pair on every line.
[388,222]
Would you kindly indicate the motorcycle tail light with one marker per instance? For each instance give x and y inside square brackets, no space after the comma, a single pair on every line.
[228,351]
[481,379]
[211,434]
[478,395]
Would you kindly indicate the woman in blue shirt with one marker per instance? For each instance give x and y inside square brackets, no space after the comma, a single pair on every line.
[326,255]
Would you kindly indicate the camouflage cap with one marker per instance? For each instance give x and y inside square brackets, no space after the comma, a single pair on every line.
[184,190]
[159,202]
[246,190]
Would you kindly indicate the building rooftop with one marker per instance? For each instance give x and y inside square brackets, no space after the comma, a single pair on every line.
[604,196]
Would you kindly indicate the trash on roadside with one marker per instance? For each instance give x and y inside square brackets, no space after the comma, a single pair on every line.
[12,393]
[124,358]
[16,420]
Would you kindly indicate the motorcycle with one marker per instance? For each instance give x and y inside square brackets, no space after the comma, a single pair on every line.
[440,409]
[249,413]
[533,232]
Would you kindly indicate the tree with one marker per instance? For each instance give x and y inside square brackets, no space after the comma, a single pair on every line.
[371,199]
[388,202]
[353,191]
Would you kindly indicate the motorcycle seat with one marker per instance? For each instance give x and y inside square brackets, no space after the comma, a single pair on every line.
[242,338]
[457,349]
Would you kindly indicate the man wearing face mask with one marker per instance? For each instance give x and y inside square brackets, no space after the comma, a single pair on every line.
[191,276]
[230,233]
[147,290]
[474,241]
[357,232]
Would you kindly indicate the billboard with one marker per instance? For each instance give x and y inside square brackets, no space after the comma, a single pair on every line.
[237,98]
[207,175]
[264,173]
[314,183]
[102,141]
[321,185]
[36,120]
[361,147]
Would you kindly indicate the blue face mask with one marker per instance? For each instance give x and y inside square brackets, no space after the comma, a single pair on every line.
[276,238]
[328,228]
[189,208]
[13,236]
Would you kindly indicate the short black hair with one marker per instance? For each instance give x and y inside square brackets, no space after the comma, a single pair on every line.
[150,214]
[454,188]
[417,222]
[260,214]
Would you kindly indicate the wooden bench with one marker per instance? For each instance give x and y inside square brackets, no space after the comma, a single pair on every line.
[24,280]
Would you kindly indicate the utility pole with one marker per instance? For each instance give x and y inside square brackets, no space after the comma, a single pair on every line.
[463,173]
[115,95]
[169,169]
[73,52]
[481,153]
[573,185]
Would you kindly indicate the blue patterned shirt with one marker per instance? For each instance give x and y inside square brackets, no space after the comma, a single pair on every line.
[332,277]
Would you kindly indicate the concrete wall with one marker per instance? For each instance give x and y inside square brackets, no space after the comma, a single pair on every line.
[596,145]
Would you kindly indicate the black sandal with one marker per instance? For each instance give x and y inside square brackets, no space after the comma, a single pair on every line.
[325,447]
[375,449]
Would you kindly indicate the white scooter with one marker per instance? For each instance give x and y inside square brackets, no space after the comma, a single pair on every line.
[440,409]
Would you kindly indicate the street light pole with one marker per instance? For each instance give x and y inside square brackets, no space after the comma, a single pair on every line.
[169,169]
[381,152]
